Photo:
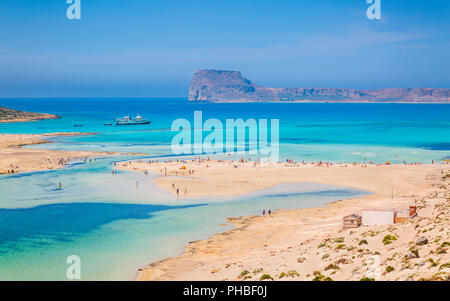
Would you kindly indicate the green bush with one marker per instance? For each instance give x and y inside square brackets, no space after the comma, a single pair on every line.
[432,262]
[390,269]
[367,279]
[340,246]
[388,239]
[266,277]
[319,278]
[331,266]
[363,242]
[445,265]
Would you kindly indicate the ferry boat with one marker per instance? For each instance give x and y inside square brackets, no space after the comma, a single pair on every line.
[127,120]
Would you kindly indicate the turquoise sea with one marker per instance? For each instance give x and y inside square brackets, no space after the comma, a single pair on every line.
[116,228]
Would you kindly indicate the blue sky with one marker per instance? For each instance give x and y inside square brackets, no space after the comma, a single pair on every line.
[145,48]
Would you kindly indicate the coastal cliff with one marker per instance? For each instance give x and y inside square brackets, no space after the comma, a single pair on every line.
[10,115]
[231,86]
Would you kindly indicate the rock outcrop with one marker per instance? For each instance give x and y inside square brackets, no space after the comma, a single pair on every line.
[231,86]
[10,115]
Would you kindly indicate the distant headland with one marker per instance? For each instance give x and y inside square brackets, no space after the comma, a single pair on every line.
[10,115]
[231,86]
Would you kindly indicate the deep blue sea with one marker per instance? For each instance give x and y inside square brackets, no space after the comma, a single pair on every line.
[116,228]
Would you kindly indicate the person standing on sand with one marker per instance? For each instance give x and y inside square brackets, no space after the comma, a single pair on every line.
[137,184]
[178,192]
[264,212]
[270,211]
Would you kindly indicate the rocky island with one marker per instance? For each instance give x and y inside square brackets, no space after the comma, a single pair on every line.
[10,115]
[231,86]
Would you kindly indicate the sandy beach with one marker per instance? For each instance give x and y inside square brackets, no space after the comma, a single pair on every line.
[307,244]
[14,158]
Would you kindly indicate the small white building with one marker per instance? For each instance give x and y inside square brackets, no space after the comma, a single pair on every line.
[377,217]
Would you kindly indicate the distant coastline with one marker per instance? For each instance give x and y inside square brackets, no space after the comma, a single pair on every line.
[10,115]
[231,86]
[324,101]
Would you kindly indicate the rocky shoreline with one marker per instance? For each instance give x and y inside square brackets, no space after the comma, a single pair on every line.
[10,115]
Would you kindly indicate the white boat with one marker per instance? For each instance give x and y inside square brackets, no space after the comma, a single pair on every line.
[127,120]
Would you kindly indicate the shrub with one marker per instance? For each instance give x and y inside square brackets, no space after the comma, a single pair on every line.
[432,262]
[390,269]
[445,244]
[266,277]
[363,242]
[243,273]
[367,279]
[388,239]
[340,246]
[415,252]
[321,245]
[331,266]
[445,265]
[319,278]
[339,239]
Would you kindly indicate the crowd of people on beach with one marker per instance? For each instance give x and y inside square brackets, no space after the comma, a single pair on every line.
[181,168]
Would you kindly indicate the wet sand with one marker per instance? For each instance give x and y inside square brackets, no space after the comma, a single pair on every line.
[14,158]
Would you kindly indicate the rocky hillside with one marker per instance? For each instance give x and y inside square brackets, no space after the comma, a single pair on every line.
[229,86]
[10,115]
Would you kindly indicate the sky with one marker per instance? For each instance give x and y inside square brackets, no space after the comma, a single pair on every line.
[151,48]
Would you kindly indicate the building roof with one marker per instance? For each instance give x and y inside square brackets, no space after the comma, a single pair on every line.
[352,216]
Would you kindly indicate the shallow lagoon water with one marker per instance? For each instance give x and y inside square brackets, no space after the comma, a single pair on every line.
[114,239]
[116,228]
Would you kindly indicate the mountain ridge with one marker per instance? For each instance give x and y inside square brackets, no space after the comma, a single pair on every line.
[230,86]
